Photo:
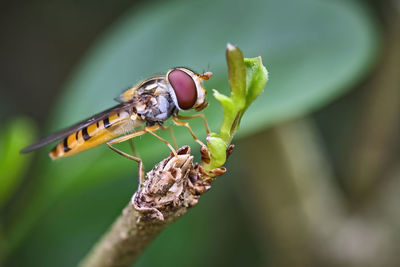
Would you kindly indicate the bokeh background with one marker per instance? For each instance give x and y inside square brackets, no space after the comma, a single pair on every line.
[315,176]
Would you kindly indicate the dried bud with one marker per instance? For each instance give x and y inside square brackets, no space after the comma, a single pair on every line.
[174,184]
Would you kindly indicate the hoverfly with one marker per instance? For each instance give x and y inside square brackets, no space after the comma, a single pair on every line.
[147,105]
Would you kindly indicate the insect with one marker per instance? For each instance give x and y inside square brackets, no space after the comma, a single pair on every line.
[141,109]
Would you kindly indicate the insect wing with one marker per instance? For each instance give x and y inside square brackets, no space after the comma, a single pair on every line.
[127,95]
[74,128]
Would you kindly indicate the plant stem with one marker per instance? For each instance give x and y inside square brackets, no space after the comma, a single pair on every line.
[171,188]
[124,242]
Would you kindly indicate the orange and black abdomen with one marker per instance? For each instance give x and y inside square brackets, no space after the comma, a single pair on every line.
[95,134]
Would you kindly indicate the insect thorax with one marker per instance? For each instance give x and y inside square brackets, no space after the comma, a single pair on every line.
[154,103]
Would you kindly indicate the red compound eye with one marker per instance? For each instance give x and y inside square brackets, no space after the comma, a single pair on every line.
[184,88]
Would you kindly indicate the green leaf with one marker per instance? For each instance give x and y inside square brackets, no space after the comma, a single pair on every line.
[229,109]
[17,134]
[236,75]
[256,77]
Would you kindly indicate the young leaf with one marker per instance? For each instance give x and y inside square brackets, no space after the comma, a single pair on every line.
[236,75]
[256,78]
[229,109]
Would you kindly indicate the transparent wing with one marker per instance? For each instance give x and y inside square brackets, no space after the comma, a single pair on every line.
[127,95]
[76,127]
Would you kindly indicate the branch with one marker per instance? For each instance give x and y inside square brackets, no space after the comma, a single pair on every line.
[171,188]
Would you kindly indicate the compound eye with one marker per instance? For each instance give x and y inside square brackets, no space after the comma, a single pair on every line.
[184,88]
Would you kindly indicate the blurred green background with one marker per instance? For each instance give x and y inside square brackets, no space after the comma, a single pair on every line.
[314,179]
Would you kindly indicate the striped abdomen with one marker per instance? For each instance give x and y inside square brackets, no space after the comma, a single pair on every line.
[115,124]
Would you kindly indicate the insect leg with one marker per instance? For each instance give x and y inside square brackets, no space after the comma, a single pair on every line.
[137,159]
[200,115]
[150,130]
[186,124]
[171,132]
[134,151]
